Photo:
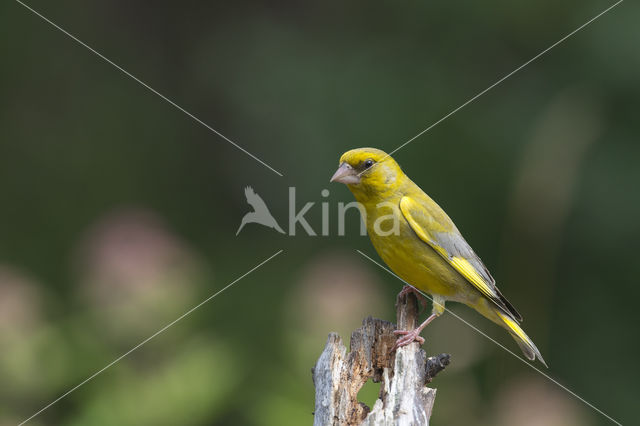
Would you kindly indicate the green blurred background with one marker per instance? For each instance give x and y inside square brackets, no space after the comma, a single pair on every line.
[118,212]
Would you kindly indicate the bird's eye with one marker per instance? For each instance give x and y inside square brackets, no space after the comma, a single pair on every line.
[368,164]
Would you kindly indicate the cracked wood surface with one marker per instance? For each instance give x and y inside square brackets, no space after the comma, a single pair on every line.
[404,398]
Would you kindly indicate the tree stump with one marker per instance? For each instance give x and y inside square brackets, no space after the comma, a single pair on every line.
[404,398]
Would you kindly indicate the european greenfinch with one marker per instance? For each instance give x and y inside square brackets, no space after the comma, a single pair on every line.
[421,244]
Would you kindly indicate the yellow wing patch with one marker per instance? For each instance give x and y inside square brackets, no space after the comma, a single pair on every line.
[467,270]
[410,210]
[419,230]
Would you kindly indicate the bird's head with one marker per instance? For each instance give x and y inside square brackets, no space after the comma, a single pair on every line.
[368,172]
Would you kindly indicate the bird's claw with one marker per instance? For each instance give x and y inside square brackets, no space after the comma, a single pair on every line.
[409,336]
[407,289]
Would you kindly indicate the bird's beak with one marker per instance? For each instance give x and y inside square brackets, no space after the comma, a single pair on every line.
[346,174]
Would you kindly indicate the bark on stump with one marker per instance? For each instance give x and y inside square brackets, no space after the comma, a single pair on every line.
[403,400]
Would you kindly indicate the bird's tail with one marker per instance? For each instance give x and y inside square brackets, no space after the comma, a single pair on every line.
[527,346]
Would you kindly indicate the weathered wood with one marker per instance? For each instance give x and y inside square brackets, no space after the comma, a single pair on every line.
[404,399]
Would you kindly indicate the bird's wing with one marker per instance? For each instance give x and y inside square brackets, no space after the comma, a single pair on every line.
[440,234]
[254,199]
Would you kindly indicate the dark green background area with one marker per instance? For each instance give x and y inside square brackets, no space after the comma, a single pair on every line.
[118,212]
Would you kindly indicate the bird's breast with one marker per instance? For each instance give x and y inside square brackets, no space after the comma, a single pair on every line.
[409,257]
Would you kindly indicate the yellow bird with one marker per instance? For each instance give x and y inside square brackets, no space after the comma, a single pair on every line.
[421,244]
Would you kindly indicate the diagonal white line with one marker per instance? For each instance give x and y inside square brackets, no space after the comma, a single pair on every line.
[497,343]
[504,78]
[151,337]
[145,85]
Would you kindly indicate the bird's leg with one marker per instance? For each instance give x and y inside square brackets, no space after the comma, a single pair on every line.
[409,336]
[407,289]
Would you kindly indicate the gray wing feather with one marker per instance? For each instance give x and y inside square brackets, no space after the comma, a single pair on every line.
[455,244]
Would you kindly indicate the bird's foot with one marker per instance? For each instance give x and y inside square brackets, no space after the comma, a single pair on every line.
[409,336]
[406,290]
